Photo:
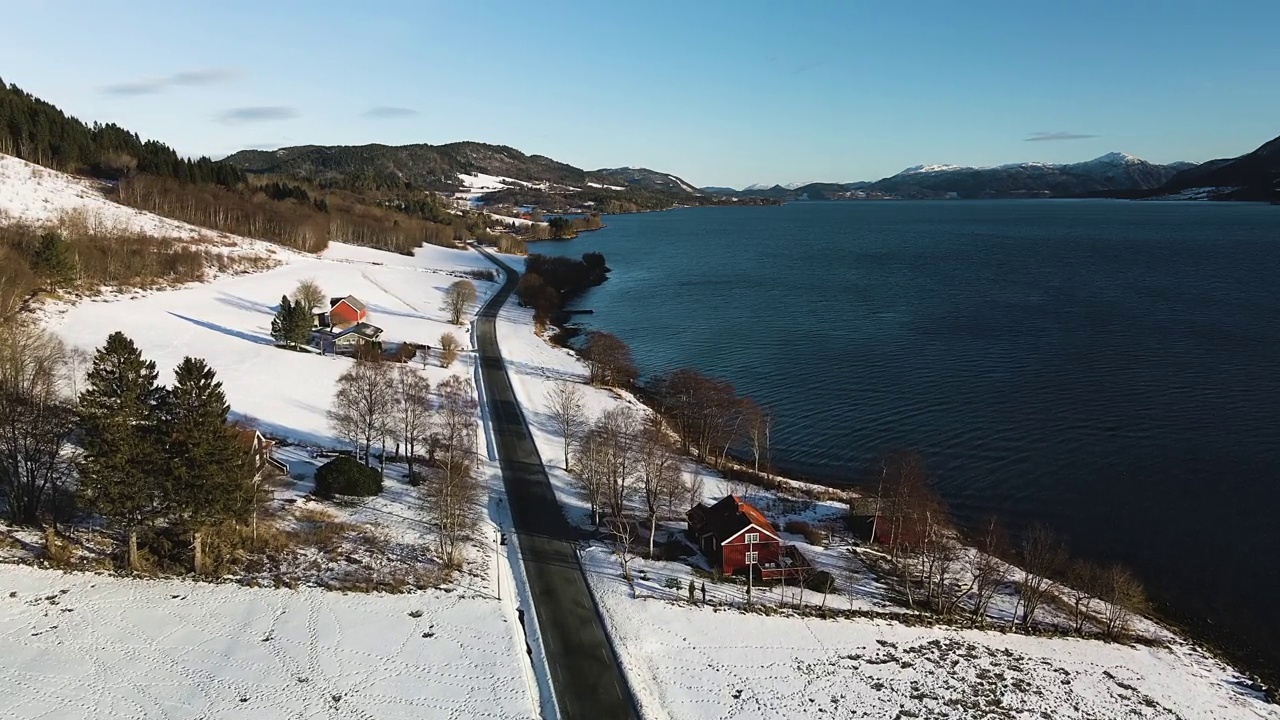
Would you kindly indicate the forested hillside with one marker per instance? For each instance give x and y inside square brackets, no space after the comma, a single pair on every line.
[525,179]
[39,132]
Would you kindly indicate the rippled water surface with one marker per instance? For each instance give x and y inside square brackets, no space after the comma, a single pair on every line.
[1110,367]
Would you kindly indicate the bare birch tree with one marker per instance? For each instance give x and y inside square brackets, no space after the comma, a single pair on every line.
[1043,558]
[412,412]
[1083,582]
[617,429]
[989,571]
[758,423]
[363,406]
[37,420]
[659,471]
[16,281]
[1124,597]
[568,412]
[589,474]
[624,534]
[453,493]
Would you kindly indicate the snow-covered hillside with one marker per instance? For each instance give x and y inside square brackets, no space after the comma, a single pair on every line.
[36,195]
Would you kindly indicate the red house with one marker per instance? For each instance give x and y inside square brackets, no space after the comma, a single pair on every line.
[733,536]
[346,311]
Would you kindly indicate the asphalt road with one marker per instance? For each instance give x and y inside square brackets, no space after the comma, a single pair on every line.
[584,670]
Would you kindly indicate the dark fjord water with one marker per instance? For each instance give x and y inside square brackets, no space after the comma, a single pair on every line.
[1112,368]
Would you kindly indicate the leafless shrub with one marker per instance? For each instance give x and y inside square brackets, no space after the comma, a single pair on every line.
[1125,598]
[812,535]
[449,347]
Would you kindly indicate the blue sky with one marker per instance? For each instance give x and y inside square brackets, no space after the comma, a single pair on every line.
[721,93]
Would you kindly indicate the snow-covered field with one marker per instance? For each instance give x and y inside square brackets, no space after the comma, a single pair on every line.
[228,323]
[101,646]
[92,646]
[95,645]
[693,662]
[689,662]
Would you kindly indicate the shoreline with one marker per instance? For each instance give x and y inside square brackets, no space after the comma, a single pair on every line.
[539,363]
[812,486]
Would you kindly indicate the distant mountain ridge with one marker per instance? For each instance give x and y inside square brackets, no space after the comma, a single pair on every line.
[1113,171]
[439,167]
[1110,172]
[1254,176]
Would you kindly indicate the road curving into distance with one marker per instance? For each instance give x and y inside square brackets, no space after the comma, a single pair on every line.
[585,676]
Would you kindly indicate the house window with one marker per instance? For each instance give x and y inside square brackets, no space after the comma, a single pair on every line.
[753,558]
[753,537]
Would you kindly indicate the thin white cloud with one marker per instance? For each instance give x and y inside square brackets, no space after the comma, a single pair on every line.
[186,78]
[389,112]
[1059,135]
[257,113]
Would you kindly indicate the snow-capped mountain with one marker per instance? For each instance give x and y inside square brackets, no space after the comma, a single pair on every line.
[1103,163]
[784,186]
[1113,171]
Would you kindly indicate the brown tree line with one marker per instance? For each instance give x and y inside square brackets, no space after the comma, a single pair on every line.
[309,226]
[940,573]
[710,418]
[75,252]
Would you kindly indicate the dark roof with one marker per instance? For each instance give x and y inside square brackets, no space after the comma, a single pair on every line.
[363,329]
[729,517]
[350,300]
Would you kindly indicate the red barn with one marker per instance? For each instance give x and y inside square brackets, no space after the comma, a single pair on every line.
[734,535]
[346,311]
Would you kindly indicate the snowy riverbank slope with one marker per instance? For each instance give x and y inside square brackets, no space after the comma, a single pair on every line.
[694,662]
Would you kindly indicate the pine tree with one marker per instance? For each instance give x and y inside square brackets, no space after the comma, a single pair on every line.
[207,471]
[282,325]
[118,412]
[298,325]
[53,259]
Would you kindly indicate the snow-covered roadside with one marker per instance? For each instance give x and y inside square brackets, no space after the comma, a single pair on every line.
[691,661]
[83,645]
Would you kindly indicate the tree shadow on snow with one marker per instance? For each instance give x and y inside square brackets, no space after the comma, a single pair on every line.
[238,334]
[240,303]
